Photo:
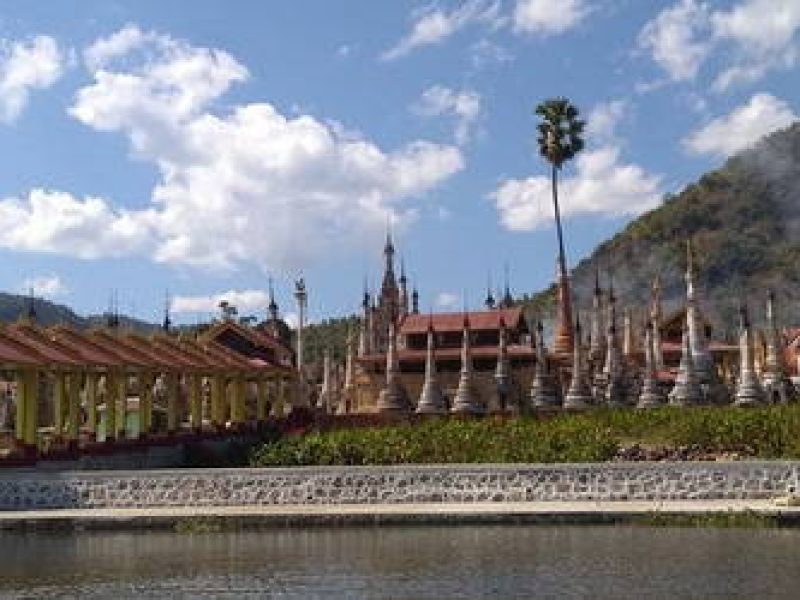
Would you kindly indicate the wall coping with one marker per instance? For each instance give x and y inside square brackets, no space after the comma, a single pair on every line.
[27,473]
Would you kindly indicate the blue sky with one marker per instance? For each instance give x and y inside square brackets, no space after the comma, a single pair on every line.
[204,146]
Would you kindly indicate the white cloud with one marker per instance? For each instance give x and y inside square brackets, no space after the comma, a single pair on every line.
[548,17]
[603,119]
[244,300]
[24,66]
[447,300]
[747,41]
[674,39]
[250,185]
[602,183]
[464,106]
[57,222]
[763,34]
[433,25]
[48,286]
[742,127]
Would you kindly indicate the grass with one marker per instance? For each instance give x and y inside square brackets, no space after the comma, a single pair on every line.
[747,519]
[770,433]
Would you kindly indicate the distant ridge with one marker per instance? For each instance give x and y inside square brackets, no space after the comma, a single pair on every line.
[744,222]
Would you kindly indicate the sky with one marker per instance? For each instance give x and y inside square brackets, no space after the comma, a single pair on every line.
[198,149]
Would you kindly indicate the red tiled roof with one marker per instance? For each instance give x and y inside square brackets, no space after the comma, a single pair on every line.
[81,344]
[485,320]
[13,352]
[52,353]
[514,351]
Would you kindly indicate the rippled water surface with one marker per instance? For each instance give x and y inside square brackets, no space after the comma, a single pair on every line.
[407,562]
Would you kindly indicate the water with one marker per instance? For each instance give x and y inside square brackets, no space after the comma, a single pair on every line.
[407,562]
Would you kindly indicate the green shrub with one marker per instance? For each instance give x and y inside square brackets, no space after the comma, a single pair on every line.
[770,432]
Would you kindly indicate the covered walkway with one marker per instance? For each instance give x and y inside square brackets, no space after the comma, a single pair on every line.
[71,390]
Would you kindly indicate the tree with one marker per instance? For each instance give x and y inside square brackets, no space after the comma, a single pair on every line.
[560,140]
[560,132]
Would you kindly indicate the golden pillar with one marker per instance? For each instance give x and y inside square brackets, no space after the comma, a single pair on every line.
[279,391]
[145,381]
[91,402]
[73,391]
[195,402]
[111,406]
[20,407]
[122,406]
[217,391]
[59,402]
[31,404]
[262,400]
[172,402]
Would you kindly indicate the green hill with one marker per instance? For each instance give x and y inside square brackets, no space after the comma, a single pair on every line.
[743,220]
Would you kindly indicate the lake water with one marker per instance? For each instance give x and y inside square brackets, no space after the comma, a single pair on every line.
[407,562]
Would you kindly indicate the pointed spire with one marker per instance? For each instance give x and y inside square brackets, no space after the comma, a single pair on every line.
[650,394]
[502,372]
[703,363]
[545,396]
[415,301]
[273,306]
[326,393]
[347,403]
[748,389]
[167,324]
[431,398]
[30,311]
[687,390]
[465,400]
[563,341]
[393,398]
[627,333]
[655,320]
[490,301]
[776,382]
[615,392]
[597,345]
[579,395]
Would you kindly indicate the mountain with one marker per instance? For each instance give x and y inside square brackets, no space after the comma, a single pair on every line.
[12,306]
[743,220]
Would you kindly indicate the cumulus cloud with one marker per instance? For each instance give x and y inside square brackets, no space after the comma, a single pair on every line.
[747,40]
[602,183]
[250,185]
[675,39]
[763,35]
[244,300]
[433,25]
[57,222]
[464,106]
[48,286]
[742,127]
[25,66]
[548,17]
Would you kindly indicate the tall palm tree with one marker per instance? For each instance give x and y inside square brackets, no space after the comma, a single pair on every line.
[560,132]
[560,140]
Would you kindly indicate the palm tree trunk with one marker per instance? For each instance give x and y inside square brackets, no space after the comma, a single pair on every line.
[562,261]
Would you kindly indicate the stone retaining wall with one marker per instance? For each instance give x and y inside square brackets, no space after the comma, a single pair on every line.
[404,484]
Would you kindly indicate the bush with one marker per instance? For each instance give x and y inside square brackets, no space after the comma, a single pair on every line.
[771,432]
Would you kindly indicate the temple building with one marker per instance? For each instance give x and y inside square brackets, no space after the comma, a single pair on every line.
[497,335]
[492,361]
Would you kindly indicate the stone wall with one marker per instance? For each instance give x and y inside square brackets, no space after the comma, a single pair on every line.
[406,484]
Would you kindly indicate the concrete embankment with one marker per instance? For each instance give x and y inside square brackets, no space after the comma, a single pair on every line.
[599,492]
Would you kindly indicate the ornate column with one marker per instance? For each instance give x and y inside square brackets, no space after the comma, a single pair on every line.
[72,388]
[91,403]
[465,401]
[393,398]
[431,399]
[748,389]
[301,295]
[579,395]
[650,395]
[545,395]
[687,391]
